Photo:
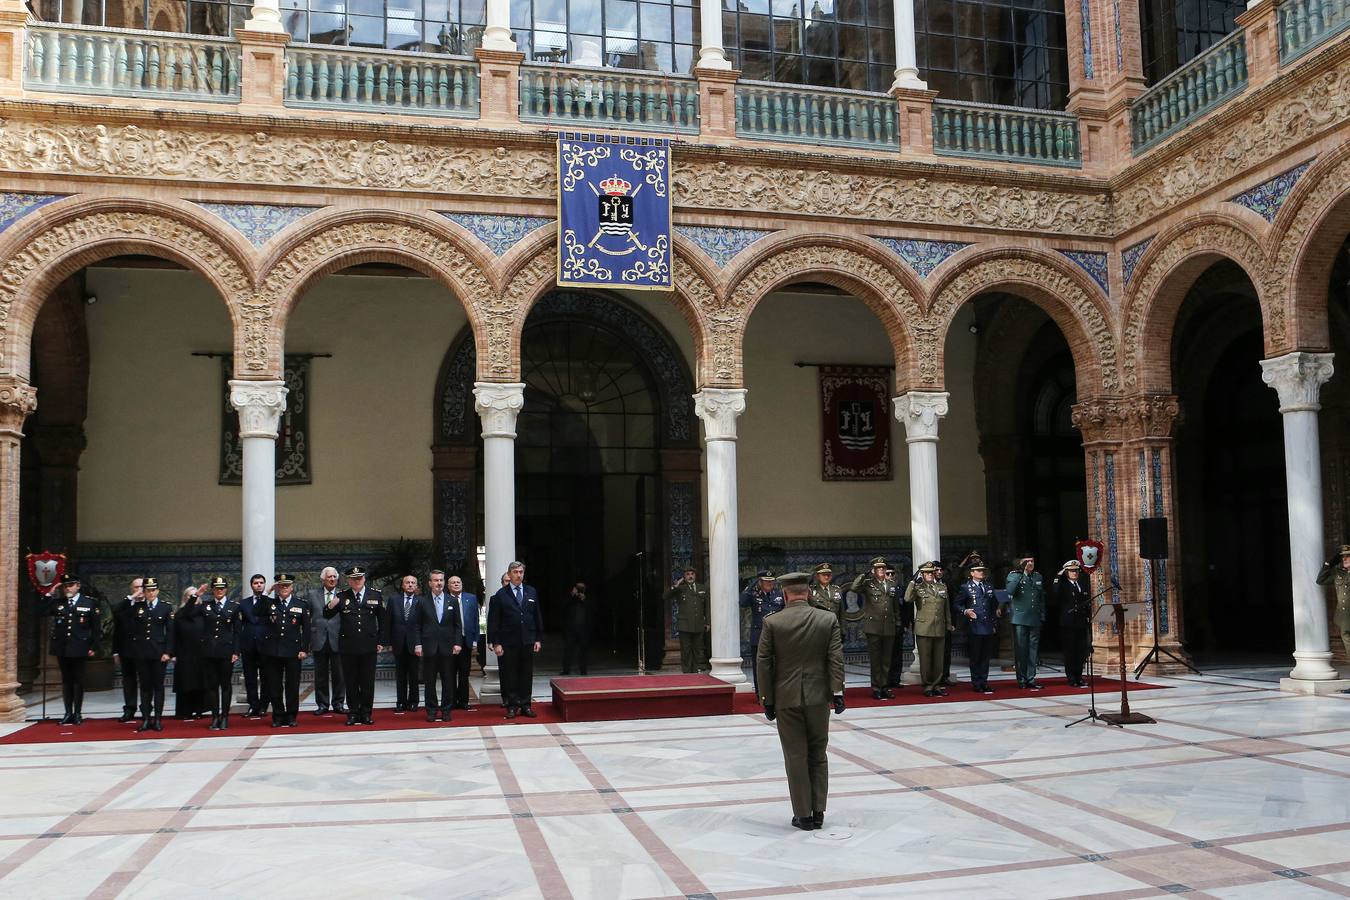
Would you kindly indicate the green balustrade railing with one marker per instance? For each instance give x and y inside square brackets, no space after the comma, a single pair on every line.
[387,81]
[1009,133]
[1304,24]
[776,112]
[1188,93]
[124,63]
[617,98]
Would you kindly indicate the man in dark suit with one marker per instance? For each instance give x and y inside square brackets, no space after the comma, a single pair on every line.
[467,605]
[286,645]
[363,632]
[149,629]
[253,610]
[220,627]
[325,648]
[130,692]
[403,638]
[440,641]
[515,627]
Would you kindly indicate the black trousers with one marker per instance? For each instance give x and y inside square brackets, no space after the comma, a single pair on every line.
[218,675]
[358,670]
[150,678]
[442,666]
[72,681]
[130,693]
[1076,648]
[577,648]
[255,679]
[980,647]
[515,667]
[463,662]
[406,667]
[328,681]
[283,677]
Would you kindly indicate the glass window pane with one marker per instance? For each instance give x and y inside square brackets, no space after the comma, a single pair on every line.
[941,17]
[881,12]
[819,38]
[754,33]
[853,75]
[850,11]
[688,28]
[365,31]
[820,71]
[297,24]
[327,28]
[473,12]
[551,14]
[585,17]
[882,45]
[655,22]
[684,59]
[755,66]
[787,35]
[787,68]
[970,19]
[852,42]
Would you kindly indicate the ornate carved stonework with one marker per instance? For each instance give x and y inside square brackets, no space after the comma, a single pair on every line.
[1298,379]
[177,239]
[498,404]
[18,400]
[1328,186]
[1045,279]
[260,405]
[920,412]
[718,408]
[1118,419]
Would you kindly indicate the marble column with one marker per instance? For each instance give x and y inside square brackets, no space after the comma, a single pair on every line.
[497,406]
[906,61]
[18,399]
[920,412]
[260,405]
[718,408]
[497,35]
[265,16]
[712,55]
[1298,378]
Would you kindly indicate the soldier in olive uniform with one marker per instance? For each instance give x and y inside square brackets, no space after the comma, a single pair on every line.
[880,619]
[1337,572]
[929,599]
[362,635]
[762,597]
[222,621]
[800,667]
[149,637]
[690,600]
[1026,596]
[825,594]
[285,645]
[75,630]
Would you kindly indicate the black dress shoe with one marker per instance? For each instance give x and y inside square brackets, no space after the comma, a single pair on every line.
[930,693]
[158,726]
[510,712]
[889,694]
[941,692]
[398,707]
[79,719]
[1033,686]
[431,716]
[877,695]
[224,721]
[444,715]
[986,689]
[818,819]
[144,726]
[528,712]
[805,823]
[277,721]
[321,711]
[67,719]
[367,720]
[127,716]
[339,708]
[351,720]
[215,724]
[290,721]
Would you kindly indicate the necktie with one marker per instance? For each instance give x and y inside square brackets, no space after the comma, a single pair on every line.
[517,590]
[440,608]
[407,605]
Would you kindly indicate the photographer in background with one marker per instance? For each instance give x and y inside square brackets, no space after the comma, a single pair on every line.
[576,630]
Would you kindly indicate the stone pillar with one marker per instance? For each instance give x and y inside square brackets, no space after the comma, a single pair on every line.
[1105,73]
[497,406]
[262,82]
[499,93]
[1298,378]
[914,119]
[265,16]
[1261,21]
[497,35]
[711,55]
[13,29]
[718,408]
[1099,419]
[906,61]
[18,399]
[920,412]
[260,405]
[717,104]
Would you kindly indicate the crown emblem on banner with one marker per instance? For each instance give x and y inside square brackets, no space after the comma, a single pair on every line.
[616,186]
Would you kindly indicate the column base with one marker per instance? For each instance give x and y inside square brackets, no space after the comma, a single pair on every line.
[12,708]
[912,675]
[729,670]
[491,691]
[1314,688]
[1313,666]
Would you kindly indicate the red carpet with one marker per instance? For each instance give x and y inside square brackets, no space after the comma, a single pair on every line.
[1108,697]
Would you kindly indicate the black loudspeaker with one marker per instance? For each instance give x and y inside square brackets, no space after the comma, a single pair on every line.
[1153,538]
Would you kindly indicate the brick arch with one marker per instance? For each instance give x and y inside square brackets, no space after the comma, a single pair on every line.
[1168,270]
[1066,294]
[1307,234]
[531,272]
[54,243]
[338,240]
[862,267]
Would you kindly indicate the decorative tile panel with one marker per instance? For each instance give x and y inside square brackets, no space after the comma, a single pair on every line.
[1111,519]
[1120,50]
[1086,20]
[1266,199]
[722,244]
[1162,563]
[14,207]
[500,233]
[1095,264]
[1129,259]
[257,221]
[1147,566]
[923,256]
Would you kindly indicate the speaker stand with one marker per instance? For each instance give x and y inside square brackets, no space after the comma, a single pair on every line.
[1156,652]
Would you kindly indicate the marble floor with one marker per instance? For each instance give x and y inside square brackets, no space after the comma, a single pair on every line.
[1238,791]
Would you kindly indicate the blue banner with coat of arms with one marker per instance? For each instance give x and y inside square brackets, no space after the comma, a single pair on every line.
[614,212]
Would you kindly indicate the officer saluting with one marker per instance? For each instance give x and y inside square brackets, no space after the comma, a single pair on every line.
[149,635]
[284,645]
[801,674]
[75,628]
[221,623]
[363,632]
[690,600]
[825,594]
[761,597]
[880,615]
[977,603]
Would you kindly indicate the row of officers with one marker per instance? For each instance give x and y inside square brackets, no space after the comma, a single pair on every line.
[924,604]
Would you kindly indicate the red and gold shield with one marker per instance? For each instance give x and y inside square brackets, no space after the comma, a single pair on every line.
[1089,554]
[46,569]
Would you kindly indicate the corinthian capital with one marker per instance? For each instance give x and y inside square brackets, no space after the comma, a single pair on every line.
[718,408]
[1298,378]
[260,405]
[18,399]
[920,412]
[498,404]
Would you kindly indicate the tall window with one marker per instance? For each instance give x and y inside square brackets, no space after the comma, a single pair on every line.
[998,51]
[829,43]
[1177,31]
[661,36]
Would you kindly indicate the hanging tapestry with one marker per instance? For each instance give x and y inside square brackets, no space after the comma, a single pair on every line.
[292,431]
[855,423]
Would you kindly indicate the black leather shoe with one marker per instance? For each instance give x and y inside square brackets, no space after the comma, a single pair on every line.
[79,719]
[224,721]
[510,712]
[367,720]
[941,692]
[215,724]
[528,712]
[1033,686]
[805,823]
[930,693]
[277,721]
[444,715]
[398,707]
[158,725]
[127,715]
[431,716]
[321,711]
[67,719]
[889,694]
[877,695]
[290,721]
[144,726]
[351,720]
[818,819]
[986,689]
[339,708]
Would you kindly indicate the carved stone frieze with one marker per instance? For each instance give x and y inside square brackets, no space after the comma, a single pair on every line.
[498,405]
[1329,185]
[260,405]
[18,400]
[1141,417]
[719,408]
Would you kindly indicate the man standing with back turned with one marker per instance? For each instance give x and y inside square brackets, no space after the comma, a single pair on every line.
[801,674]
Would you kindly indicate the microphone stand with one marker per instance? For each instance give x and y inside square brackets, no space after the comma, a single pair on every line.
[642,610]
[1092,674]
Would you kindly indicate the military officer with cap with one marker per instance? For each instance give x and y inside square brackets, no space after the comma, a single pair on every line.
[1337,573]
[880,618]
[978,604]
[75,630]
[690,601]
[800,666]
[222,621]
[1026,596]
[1074,600]
[825,594]
[363,633]
[762,597]
[285,644]
[149,637]
[928,596]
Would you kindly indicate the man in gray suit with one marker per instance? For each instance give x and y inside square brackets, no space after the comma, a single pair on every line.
[324,649]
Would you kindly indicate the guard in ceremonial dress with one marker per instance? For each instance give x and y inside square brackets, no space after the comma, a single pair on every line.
[762,597]
[880,620]
[1026,595]
[221,624]
[690,600]
[979,606]
[928,597]
[1073,597]
[285,645]
[149,631]
[1337,573]
[130,691]
[362,635]
[75,629]
[825,594]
